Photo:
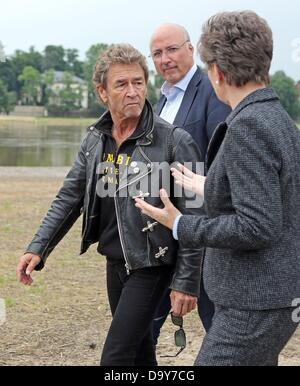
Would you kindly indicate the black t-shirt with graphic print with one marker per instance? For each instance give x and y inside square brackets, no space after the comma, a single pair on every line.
[114,163]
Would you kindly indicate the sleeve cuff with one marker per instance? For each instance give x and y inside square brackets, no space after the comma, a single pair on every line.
[175,226]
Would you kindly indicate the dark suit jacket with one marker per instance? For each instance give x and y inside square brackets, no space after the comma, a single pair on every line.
[252,203]
[200,111]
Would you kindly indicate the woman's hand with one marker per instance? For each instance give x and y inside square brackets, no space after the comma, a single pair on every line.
[165,216]
[189,180]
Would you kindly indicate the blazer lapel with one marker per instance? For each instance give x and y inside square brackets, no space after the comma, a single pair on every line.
[160,104]
[188,99]
[215,144]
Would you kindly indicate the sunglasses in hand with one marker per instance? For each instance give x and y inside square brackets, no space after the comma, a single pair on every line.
[179,336]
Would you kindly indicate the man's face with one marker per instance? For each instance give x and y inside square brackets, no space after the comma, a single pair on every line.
[125,91]
[172,54]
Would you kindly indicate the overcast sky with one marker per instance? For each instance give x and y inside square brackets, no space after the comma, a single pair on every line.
[81,23]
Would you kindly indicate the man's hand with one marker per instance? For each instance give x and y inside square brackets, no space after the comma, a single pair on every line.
[26,265]
[165,216]
[182,304]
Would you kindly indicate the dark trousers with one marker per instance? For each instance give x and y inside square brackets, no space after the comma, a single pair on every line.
[133,301]
[206,311]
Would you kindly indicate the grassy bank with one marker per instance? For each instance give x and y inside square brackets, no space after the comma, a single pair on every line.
[64,317]
[48,121]
[54,121]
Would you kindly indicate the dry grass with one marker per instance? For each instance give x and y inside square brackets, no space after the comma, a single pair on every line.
[64,317]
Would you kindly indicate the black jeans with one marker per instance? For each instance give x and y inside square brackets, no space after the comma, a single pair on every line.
[133,301]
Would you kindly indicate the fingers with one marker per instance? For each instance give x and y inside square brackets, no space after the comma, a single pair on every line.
[183,171]
[179,177]
[146,209]
[183,180]
[165,199]
[26,280]
[185,183]
[33,263]
[181,303]
[165,216]
[193,304]
[149,210]
[187,306]
[21,274]
[176,302]
[184,308]
[27,264]
[21,267]
[186,171]
[176,309]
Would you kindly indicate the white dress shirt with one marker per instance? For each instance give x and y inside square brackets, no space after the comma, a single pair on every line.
[174,94]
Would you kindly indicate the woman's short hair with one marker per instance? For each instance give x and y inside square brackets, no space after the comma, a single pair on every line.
[240,44]
[117,54]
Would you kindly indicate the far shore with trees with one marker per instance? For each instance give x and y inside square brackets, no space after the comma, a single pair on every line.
[59,81]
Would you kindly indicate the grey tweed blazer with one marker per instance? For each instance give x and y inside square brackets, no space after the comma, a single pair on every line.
[251,226]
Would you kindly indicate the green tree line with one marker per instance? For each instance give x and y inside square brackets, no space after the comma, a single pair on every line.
[27,77]
[288,93]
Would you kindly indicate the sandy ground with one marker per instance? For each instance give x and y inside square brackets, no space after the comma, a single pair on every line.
[64,317]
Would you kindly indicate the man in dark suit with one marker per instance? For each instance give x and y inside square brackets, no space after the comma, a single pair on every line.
[188,101]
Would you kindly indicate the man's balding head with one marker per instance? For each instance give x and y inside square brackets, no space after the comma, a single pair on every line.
[170,29]
[172,52]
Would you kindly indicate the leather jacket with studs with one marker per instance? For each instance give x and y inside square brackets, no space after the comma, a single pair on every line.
[144,242]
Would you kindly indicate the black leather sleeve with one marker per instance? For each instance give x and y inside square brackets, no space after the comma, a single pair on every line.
[187,273]
[64,210]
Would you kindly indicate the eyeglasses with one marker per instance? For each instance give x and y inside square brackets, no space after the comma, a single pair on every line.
[179,336]
[170,52]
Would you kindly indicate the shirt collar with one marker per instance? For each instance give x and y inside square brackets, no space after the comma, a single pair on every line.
[182,85]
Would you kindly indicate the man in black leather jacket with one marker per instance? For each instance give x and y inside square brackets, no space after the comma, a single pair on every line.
[124,155]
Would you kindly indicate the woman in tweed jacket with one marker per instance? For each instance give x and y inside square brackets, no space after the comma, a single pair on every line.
[251,225]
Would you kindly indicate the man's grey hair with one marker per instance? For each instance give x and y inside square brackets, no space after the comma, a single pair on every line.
[186,34]
[116,54]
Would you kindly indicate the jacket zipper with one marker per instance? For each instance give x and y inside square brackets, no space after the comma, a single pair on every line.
[127,265]
[121,235]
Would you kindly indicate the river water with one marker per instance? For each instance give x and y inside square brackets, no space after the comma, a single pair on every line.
[24,144]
